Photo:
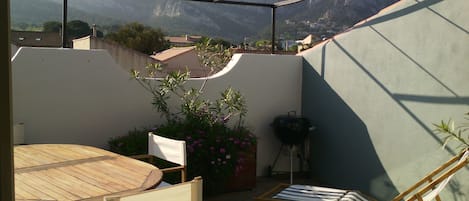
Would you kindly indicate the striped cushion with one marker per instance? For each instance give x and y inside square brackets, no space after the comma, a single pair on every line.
[316,193]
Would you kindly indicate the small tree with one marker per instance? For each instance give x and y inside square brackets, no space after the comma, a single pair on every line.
[139,37]
[213,55]
[52,26]
[78,29]
[75,28]
[263,44]
[214,147]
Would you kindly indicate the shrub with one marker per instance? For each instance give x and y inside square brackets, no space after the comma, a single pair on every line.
[213,146]
[134,143]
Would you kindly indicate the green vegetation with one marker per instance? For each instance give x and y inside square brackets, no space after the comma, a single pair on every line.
[263,44]
[458,134]
[139,37]
[52,26]
[213,54]
[216,148]
[134,143]
[75,28]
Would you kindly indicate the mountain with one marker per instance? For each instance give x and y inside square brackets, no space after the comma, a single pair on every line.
[36,12]
[185,17]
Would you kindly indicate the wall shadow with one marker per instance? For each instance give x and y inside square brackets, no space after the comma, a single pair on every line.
[355,165]
[402,12]
[414,61]
[433,99]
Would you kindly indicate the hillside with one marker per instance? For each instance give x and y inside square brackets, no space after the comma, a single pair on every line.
[228,21]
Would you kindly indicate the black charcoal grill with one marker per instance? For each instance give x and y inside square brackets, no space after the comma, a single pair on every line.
[291,130]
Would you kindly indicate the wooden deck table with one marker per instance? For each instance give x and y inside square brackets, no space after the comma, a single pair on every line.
[77,172]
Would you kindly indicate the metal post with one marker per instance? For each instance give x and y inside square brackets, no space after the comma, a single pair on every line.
[64,24]
[273,31]
[291,164]
[7,190]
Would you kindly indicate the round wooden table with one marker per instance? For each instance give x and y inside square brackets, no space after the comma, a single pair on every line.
[77,172]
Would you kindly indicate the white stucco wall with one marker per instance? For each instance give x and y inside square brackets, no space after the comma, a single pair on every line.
[271,85]
[389,80]
[75,96]
[84,97]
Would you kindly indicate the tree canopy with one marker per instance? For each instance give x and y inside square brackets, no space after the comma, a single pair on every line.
[52,26]
[139,37]
[75,28]
[78,29]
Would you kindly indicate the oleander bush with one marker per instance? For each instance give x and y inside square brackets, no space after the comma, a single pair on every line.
[214,130]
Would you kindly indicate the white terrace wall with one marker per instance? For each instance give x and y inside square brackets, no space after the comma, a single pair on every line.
[84,97]
[75,96]
[375,91]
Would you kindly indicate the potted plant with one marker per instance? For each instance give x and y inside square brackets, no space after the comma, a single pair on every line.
[219,146]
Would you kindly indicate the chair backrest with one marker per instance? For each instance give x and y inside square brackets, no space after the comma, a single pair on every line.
[167,149]
[186,191]
[436,180]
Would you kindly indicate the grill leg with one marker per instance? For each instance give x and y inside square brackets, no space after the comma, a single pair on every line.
[291,164]
[271,169]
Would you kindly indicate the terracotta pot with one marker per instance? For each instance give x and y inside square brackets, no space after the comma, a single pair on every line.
[245,178]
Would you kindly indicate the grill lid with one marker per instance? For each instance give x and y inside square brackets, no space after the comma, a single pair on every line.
[291,130]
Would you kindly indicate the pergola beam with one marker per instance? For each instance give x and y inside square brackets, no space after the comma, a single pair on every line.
[272,6]
[64,23]
[237,3]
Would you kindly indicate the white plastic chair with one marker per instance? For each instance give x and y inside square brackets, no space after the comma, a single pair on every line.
[167,149]
[185,191]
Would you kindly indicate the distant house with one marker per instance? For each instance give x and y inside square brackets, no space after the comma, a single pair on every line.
[183,41]
[178,58]
[36,39]
[127,58]
[306,43]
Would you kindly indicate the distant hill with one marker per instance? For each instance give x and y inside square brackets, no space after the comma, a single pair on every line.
[182,17]
[40,11]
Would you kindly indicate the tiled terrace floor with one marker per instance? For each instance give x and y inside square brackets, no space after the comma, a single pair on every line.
[263,184]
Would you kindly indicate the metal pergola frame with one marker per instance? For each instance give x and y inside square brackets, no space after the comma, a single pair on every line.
[7,184]
[272,6]
[64,23]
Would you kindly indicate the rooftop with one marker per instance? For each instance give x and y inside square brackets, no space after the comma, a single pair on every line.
[36,39]
[171,53]
[183,40]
